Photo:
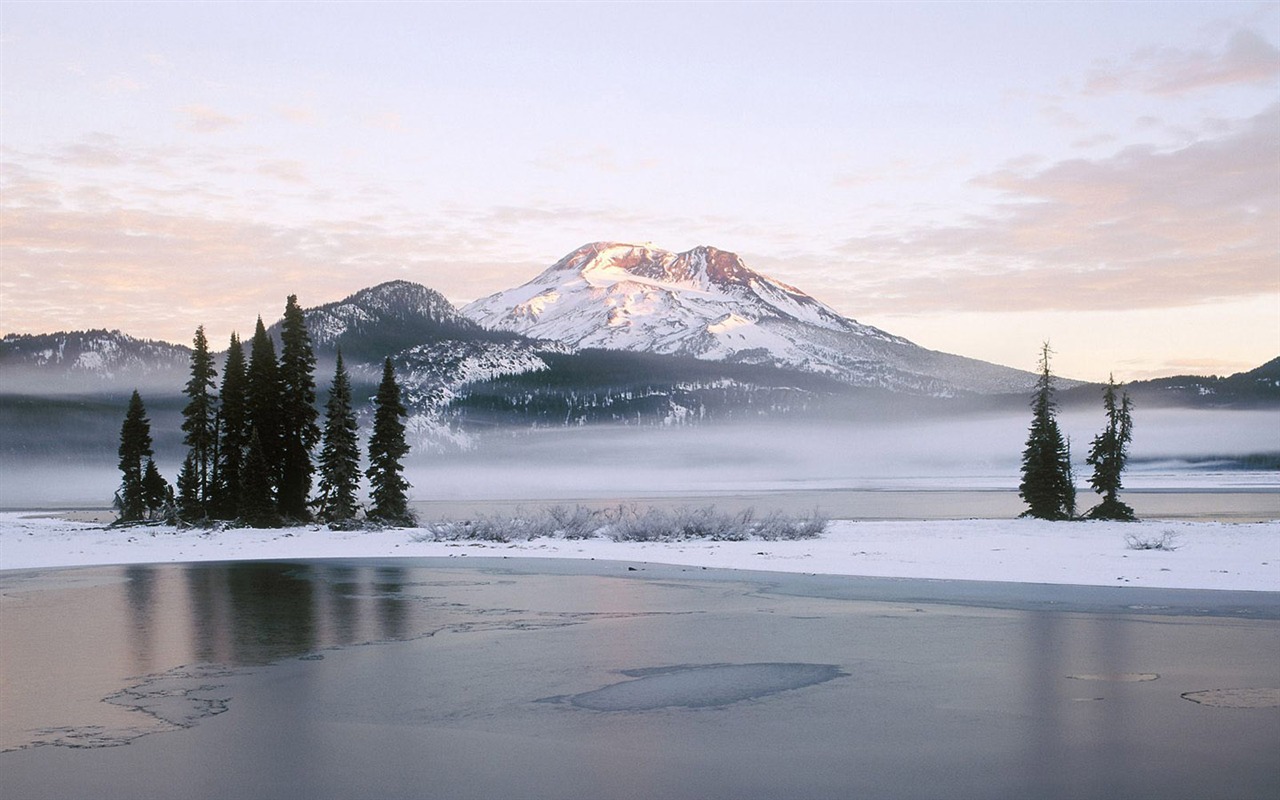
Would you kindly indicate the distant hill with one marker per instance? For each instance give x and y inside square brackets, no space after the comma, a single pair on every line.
[1256,388]
[98,361]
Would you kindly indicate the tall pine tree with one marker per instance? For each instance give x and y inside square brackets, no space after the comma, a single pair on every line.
[135,454]
[299,432]
[1048,486]
[233,424]
[1109,455]
[199,428]
[340,453]
[263,405]
[387,486]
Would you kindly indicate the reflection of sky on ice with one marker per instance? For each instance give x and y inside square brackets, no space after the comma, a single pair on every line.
[703,685]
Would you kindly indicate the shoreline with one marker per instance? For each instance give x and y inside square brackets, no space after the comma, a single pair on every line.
[1204,555]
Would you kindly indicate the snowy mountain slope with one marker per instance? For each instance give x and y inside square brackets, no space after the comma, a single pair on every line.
[436,351]
[708,304]
[94,360]
[385,319]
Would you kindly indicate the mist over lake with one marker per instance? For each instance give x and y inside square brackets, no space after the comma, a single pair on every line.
[1172,449]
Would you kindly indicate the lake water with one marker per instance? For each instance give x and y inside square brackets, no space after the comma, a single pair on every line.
[421,678]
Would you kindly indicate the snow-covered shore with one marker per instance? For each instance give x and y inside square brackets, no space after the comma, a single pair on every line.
[1208,555]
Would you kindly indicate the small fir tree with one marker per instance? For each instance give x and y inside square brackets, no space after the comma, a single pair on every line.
[299,432]
[387,486]
[199,428]
[189,505]
[340,453]
[233,427]
[1048,485]
[157,497]
[135,453]
[1109,455]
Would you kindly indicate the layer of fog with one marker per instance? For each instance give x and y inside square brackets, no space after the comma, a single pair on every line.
[974,452]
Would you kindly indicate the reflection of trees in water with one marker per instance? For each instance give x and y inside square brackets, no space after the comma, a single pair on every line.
[271,607]
[1069,727]
[254,613]
[140,593]
[209,607]
[341,589]
[393,610]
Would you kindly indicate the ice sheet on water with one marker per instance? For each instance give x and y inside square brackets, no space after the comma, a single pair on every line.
[701,686]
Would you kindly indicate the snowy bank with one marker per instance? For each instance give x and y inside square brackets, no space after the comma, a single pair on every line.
[1208,555]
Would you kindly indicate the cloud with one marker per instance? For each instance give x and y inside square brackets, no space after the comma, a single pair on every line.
[203,119]
[121,84]
[300,115]
[390,121]
[1244,59]
[1142,228]
[600,158]
[286,170]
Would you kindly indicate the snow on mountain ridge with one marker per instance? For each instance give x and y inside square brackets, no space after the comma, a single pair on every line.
[635,297]
[98,354]
[391,302]
[706,303]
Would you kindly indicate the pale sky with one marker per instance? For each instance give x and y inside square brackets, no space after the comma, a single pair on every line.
[977,177]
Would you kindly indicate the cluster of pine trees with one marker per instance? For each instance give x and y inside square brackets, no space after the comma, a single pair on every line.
[250,444]
[1048,480]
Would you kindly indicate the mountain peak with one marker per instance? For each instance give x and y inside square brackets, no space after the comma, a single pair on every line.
[703,267]
[385,318]
[707,303]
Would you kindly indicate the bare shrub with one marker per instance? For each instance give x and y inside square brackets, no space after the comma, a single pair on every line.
[481,528]
[658,525]
[627,523]
[1166,540]
[576,523]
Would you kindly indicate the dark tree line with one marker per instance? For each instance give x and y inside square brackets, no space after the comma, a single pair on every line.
[250,446]
[1048,479]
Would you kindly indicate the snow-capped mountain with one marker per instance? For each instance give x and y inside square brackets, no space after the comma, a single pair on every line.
[706,303]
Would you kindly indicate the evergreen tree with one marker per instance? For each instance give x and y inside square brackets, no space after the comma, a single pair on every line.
[263,401]
[1109,454]
[387,446]
[1048,486]
[340,454]
[233,425]
[198,425]
[257,495]
[189,504]
[135,453]
[299,432]
[157,497]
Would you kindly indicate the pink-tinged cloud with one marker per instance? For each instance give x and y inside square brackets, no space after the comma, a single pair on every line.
[1247,58]
[203,119]
[1143,228]
[286,170]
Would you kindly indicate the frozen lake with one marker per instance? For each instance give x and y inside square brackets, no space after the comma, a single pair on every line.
[421,678]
